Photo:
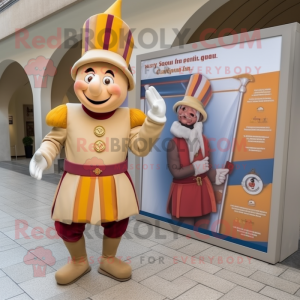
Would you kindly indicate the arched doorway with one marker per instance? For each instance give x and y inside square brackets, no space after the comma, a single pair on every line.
[62,87]
[227,17]
[16,110]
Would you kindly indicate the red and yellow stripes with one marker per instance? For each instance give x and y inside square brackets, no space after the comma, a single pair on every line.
[199,87]
[108,199]
[108,32]
[84,200]
[85,197]
[205,94]
[192,84]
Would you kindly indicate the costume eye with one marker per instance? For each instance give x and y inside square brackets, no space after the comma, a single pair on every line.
[88,78]
[192,115]
[108,80]
[183,108]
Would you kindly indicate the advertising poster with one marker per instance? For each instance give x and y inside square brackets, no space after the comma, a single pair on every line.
[212,168]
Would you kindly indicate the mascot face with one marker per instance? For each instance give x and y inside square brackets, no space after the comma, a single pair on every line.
[101,87]
[187,115]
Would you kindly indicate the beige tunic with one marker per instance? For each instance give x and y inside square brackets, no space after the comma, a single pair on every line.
[85,199]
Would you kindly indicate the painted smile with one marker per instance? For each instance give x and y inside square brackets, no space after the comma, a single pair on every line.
[96,102]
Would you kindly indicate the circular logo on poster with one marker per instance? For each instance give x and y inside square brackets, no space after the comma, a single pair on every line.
[252,184]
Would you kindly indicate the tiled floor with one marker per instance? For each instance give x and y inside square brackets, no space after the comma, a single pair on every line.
[25,224]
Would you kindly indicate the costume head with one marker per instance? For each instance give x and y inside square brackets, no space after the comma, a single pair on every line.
[102,74]
[197,96]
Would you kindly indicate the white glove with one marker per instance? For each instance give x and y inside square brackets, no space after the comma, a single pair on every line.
[157,105]
[37,165]
[201,166]
[221,176]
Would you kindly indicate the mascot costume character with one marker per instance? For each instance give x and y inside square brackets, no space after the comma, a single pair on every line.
[95,187]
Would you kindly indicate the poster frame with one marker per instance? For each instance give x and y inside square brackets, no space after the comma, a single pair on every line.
[284,224]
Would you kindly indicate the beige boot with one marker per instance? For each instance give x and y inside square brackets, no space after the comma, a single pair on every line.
[75,268]
[110,265]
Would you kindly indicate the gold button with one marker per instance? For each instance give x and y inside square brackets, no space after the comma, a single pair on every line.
[99,146]
[97,171]
[99,131]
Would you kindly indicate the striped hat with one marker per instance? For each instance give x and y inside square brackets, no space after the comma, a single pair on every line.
[198,94]
[107,38]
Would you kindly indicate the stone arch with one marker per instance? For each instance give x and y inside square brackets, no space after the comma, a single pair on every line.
[12,78]
[227,17]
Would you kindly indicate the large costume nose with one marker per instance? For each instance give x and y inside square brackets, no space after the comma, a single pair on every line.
[95,86]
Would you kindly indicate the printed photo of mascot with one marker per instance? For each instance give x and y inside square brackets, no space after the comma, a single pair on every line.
[192,197]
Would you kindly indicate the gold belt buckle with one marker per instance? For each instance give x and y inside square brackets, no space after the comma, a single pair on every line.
[199,181]
[97,171]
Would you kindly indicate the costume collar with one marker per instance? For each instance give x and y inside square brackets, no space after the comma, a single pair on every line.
[98,116]
[180,131]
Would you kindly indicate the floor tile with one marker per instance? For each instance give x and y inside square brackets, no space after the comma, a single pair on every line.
[169,289]
[240,293]
[201,292]
[179,243]
[174,271]
[12,257]
[29,233]
[137,239]
[212,256]
[277,294]
[298,293]
[241,280]
[194,248]
[23,272]
[129,290]
[42,288]
[32,243]
[95,283]
[156,234]
[275,282]
[184,258]
[77,293]
[21,297]
[7,244]
[2,274]
[146,258]
[212,281]
[151,269]
[59,251]
[128,249]
[290,275]
[8,288]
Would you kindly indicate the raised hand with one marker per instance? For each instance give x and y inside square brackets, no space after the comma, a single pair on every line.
[157,105]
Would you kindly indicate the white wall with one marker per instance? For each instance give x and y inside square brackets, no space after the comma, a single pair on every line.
[24,13]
